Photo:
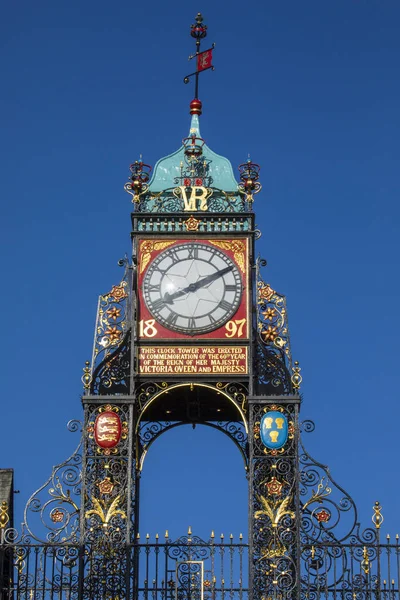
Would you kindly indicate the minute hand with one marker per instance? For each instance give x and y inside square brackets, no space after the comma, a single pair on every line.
[193,287]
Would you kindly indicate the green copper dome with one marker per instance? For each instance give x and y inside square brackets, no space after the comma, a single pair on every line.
[168,169]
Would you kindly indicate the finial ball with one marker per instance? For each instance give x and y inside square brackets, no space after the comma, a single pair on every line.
[196,107]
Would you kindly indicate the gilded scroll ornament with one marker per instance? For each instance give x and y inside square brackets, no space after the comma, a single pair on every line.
[274,510]
[106,513]
[235,246]
[4,516]
[148,247]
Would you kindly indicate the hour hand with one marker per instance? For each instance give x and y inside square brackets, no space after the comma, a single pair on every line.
[169,298]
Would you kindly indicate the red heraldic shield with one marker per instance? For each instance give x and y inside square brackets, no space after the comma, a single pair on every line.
[204,60]
[107,429]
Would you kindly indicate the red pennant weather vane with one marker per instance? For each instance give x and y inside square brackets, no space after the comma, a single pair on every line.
[203,59]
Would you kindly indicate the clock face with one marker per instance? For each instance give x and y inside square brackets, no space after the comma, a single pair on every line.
[192,288]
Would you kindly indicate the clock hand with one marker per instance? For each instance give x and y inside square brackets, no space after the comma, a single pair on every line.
[193,287]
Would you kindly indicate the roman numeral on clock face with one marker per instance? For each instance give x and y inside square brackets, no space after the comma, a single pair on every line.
[192,323]
[193,253]
[225,305]
[174,256]
[230,288]
[158,304]
[172,318]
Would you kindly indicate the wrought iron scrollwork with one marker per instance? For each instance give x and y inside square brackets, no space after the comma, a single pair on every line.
[52,512]
[112,326]
[112,375]
[274,502]
[107,478]
[273,355]
[329,513]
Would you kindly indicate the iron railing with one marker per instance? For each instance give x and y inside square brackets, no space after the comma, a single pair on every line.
[193,570]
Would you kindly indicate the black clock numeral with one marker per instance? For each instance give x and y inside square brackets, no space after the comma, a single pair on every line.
[193,253]
[225,305]
[230,288]
[172,318]
[212,320]
[174,256]
[158,304]
[152,288]
[212,254]
[192,323]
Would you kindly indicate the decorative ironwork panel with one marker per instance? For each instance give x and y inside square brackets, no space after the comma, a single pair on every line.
[109,372]
[52,512]
[275,373]
[106,516]
[182,223]
[273,506]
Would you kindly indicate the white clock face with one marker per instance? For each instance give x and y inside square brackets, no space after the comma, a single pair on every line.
[192,288]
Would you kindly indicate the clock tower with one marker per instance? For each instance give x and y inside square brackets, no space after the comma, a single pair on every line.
[192,334]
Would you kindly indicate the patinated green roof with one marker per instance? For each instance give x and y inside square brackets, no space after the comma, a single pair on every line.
[167,169]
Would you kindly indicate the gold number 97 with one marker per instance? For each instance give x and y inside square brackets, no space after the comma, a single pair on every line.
[235,328]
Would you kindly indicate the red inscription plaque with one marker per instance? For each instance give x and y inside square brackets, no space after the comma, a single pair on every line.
[107,429]
[183,360]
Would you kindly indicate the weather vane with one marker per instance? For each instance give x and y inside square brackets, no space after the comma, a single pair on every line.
[203,59]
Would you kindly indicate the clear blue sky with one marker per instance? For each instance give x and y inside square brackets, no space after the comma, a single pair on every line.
[311,90]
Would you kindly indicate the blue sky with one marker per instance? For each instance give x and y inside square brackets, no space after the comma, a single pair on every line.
[311,90]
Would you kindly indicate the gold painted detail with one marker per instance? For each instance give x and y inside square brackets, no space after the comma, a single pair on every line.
[237,247]
[147,248]
[274,487]
[57,515]
[105,512]
[323,490]
[106,486]
[272,319]
[124,429]
[274,509]
[110,328]
[296,377]
[197,200]
[365,563]
[118,292]
[87,376]
[192,224]
[377,517]
[4,516]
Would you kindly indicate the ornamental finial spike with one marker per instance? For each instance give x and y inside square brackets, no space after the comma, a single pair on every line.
[377,517]
[296,377]
[196,107]
[87,376]
[138,180]
[249,184]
